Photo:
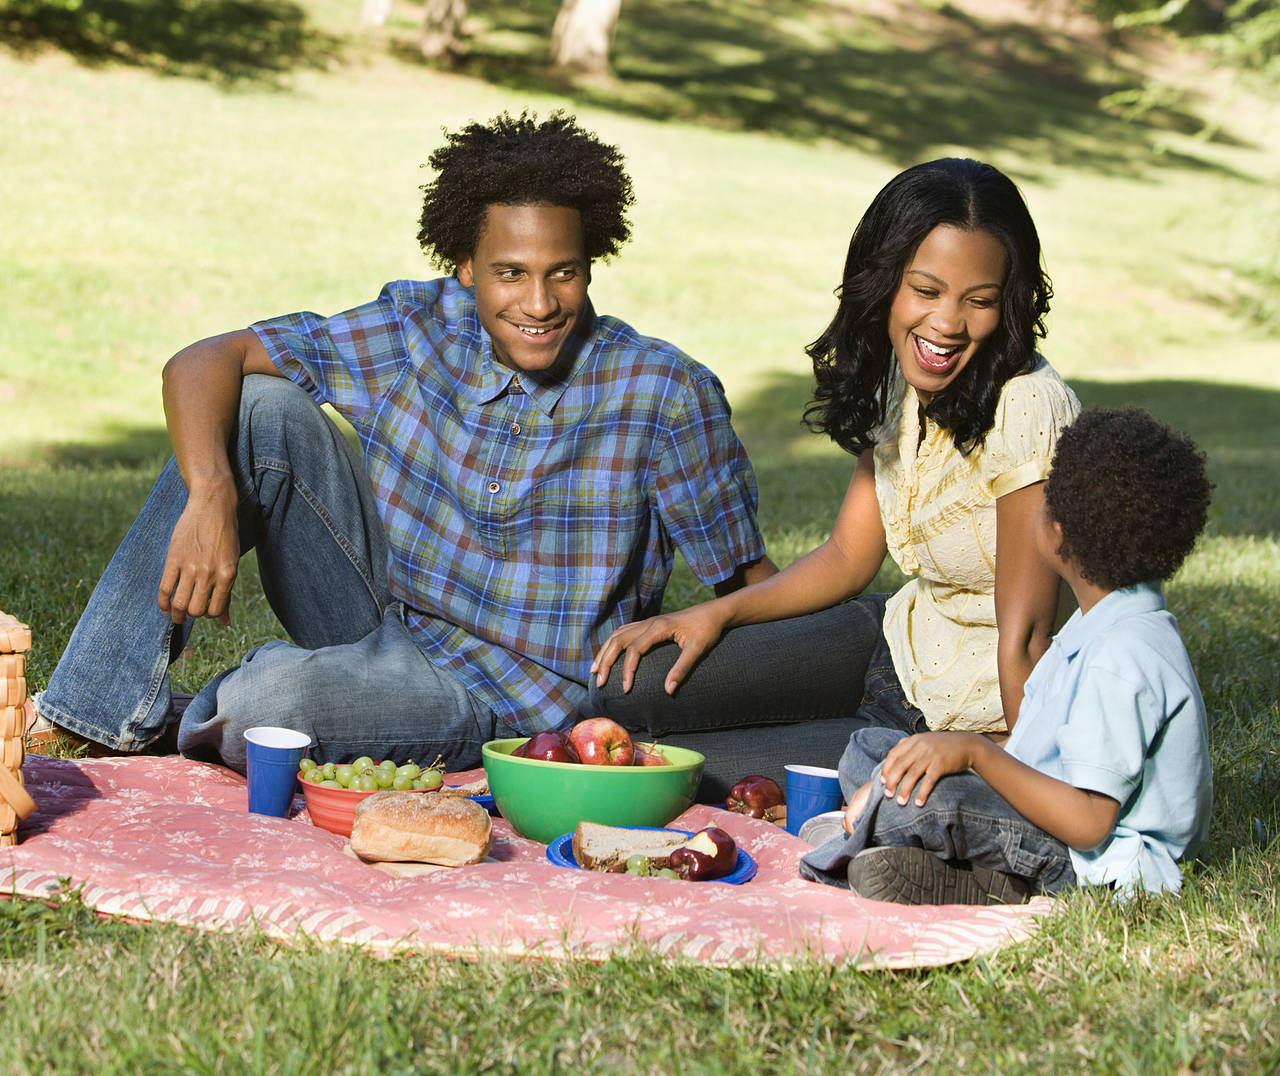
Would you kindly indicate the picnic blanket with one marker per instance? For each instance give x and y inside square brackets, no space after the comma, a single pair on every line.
[168,839]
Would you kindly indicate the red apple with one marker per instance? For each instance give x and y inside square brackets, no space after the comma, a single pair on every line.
[548,746]
[708,854]
[647,754]
[755,796]
[601,741]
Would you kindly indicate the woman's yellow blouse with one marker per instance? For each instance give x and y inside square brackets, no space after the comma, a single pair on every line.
[939,513]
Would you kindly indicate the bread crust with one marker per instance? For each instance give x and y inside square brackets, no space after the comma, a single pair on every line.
[421,827]
[598,847]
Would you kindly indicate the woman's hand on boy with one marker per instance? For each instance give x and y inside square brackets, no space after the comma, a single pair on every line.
[919,761]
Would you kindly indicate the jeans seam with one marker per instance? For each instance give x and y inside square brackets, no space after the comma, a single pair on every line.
[316,504]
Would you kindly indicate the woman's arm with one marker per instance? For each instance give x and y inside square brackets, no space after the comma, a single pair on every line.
[838,569]
[1076,816]
[1027,594]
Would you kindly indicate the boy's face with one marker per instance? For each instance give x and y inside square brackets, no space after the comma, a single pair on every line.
[530,274]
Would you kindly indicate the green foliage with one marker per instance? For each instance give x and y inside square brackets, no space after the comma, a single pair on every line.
[1252,39]
[1246,33]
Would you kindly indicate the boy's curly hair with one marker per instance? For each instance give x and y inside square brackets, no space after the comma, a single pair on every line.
[523,162]
[1130,494]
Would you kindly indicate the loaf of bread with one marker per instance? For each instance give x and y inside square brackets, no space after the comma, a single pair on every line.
[420,827]
[607,848]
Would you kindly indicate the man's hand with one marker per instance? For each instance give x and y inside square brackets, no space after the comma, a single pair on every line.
[919,761]
[204,553]
[695,630]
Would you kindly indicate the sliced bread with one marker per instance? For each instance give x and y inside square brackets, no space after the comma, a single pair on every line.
[607,848]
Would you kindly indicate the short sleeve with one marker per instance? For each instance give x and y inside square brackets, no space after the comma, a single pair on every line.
[706,489]
[348,360]
[1034,409]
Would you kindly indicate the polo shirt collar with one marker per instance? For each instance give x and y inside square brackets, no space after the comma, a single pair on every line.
[495,379]
[1116,606]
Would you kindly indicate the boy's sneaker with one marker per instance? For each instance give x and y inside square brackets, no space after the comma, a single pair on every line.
[916,876]
[822,827]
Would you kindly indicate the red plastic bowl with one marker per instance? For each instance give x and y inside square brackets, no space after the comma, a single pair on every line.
[334,808]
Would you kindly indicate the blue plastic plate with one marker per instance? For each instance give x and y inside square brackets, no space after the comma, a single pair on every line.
[486,802]
[560,852]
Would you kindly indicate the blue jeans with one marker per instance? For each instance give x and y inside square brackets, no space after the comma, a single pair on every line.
[963,819]
[352,678]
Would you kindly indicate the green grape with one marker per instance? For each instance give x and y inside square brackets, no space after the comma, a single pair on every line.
[667,872]
[330,784]
[366,782]
[637,864]
[364,762]
[384,778]
[307,765]
[344,774]
[402,784]
[409,770]
[329,770]
[432,779]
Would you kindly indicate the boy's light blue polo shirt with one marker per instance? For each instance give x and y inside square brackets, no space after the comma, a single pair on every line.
[1114,707]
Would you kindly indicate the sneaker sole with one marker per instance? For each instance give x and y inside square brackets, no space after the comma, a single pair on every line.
[916,876]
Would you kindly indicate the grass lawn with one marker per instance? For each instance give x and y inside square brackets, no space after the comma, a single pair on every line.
[162,186]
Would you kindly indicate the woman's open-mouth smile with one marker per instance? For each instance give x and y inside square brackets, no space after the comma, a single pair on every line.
[933,358]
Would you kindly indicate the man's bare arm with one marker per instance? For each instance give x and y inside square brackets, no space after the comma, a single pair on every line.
[201,397]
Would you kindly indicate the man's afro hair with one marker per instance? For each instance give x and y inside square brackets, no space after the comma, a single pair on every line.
[523,162]
[1130,494]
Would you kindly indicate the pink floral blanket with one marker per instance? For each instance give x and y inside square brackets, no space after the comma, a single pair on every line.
[168,839]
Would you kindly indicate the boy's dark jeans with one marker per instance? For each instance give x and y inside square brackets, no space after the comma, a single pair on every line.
[964,819]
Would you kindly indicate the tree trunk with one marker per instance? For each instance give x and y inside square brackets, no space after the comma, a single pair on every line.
[583,35]
[375,12]
[441,27]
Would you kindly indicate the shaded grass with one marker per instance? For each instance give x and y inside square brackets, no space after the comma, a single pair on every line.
[223,41]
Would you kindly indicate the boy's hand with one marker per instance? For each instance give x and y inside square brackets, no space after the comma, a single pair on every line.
[918,761]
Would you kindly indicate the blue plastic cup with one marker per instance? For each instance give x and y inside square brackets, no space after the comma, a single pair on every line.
[271,763]
[811,790]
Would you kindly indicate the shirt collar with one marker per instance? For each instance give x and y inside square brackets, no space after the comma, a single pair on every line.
[1116,606]
[495,379]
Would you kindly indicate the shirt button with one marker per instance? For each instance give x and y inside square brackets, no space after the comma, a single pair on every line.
[515,429]
[495,487]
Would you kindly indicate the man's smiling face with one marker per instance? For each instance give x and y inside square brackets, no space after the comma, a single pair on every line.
[530,274]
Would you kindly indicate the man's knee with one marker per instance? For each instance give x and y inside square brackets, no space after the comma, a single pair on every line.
[274,401]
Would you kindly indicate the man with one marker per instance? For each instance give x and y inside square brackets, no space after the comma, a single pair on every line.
[526,471]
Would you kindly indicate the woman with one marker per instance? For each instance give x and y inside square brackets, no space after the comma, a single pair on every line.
[928,374]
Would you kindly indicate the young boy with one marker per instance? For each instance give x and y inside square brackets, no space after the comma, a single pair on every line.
[1105,779]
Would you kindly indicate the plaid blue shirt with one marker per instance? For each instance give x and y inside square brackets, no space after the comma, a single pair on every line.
[527,518]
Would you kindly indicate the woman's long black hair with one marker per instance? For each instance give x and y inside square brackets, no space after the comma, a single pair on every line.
[853,360]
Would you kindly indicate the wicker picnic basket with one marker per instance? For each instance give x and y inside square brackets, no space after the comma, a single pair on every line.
[15,804]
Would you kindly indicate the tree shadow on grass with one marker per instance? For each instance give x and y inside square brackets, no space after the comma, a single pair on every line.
[222,41]
[898,86]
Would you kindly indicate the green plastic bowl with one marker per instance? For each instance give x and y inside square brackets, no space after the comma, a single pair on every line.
[543,800]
